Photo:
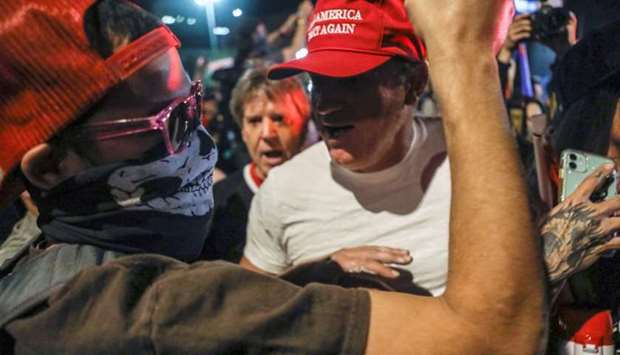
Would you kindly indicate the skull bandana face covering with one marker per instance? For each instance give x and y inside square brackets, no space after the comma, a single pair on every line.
[158,206]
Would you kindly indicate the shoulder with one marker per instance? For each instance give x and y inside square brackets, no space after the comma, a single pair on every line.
[165,291]
[223,189]
[309,164]
[309,160]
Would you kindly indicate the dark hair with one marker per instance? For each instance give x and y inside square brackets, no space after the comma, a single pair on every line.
[399,71]
[585,124]
[111,24]
[587,82]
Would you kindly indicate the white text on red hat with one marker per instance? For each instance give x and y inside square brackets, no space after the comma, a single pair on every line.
[316,29]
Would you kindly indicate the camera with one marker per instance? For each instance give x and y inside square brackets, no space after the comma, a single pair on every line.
[549,21]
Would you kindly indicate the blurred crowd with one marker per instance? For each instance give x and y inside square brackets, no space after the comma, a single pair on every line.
[434,168]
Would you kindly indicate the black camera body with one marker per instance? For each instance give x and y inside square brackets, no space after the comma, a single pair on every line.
[549,21]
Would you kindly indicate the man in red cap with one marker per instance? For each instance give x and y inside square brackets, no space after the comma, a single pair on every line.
[99,121]
[377,196]
[380,178]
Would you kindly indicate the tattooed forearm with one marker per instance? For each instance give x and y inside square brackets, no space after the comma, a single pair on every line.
[572,239]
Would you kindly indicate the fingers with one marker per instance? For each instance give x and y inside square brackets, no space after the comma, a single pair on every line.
[521,24]
[608,207]
[371,259]
[520,36]
[613,244]
[520,29]
[378,253]
[389,255]
[520,17]
[370,267]
[610,225]
[592,182]
[526,29]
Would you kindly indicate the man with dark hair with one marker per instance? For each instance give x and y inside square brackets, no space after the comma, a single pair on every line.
[112,151]
[378,186]
[588,119]
[273,118]
[587,86]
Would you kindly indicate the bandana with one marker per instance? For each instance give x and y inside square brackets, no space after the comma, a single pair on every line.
[150,206]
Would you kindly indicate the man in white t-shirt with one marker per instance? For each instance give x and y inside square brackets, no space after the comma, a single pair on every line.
[376,191]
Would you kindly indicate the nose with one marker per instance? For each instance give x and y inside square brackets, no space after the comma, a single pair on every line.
[325,105]
[326,109]
[268,128]
[327,99]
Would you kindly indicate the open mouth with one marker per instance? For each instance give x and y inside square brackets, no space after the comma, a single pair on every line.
[273,154]
[273,157]
[337,131]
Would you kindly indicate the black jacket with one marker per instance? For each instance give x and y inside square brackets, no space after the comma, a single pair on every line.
[227,234]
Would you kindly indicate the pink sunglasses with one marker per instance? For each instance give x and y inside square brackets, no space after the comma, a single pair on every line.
[176,123]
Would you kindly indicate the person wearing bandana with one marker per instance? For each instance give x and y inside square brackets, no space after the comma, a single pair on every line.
[99,122]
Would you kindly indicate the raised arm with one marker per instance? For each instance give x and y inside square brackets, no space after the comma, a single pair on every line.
[299,36]
[494,302]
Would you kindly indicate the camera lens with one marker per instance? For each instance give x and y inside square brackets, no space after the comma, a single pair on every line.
[572,166]
[572,157]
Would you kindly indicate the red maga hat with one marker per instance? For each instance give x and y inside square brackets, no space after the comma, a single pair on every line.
[51,74]
[350,37]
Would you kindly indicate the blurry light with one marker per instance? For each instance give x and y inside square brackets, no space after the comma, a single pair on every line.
[191,21]
[204,2]
[168,20]
[221,31]
[237,12]
[301,53]
[309,87]
[525,6]
[180,19]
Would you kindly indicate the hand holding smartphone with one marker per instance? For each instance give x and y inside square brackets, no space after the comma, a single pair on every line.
[581,228]
[576,166]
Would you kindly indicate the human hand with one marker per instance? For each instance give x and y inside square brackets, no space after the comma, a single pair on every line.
[577,231]
[288,25]
[28,203]
[450,26]
[304,9]
[371,260]
[520,29]
[571,29]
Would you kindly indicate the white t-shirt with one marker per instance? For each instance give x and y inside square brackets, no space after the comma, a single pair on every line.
[310,207]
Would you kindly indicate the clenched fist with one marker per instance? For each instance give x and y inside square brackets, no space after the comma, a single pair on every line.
[454,26]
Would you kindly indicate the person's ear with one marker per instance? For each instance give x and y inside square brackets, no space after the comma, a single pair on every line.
[244,133]
[418,80]
[46,166]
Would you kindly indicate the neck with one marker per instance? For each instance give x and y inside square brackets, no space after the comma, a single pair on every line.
[396,152]
[256,174]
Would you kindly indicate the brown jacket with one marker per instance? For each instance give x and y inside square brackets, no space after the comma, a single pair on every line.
[150,304]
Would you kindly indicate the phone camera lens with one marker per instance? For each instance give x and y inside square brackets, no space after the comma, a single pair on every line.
[572,157]
[598,196]
[572,166]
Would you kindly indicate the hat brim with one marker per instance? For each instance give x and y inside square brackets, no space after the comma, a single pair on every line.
[332,63]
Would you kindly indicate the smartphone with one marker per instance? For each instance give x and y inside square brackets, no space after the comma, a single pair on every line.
[576,165]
